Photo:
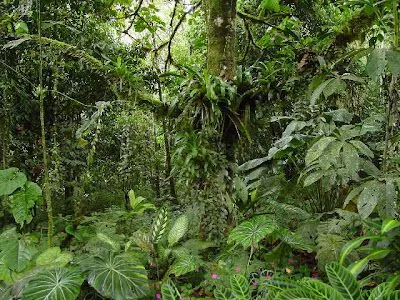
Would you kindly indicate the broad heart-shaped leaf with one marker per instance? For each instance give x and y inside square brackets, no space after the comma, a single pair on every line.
[185,264]
[169,291]
[250,232]
[389,225]
[178,230]
[240,287]
[321,290]
[16,255]
[342,280]
[22,201]
[369,197]
[317,149]
[376,63]
[54,257]
[117,277]
[10,180]
[55,284]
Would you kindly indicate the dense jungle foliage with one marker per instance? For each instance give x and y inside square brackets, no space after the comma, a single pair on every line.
[216,149]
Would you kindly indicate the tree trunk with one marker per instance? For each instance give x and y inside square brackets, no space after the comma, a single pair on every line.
[221,34]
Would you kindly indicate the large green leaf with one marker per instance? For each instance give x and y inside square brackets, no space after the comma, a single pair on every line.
[319,90]
[342,280]
[380,291]
[334,86]
[169,291]
[271,5]
[222,293]
[317,149]
[137,203]
[185,264]
[388,225]
[359,266]
[10,180]
[240,287]
[393,58]
[392,296]
[321,290]
[340,115]
[376,63]
[362,148]
[252,164]
[16,254]
[55,284]
[178,230]
[352,195]
[369,197]
[54,257]
[352,245]
[160,225]
[22,202]
[313,177]
[117,277]
[387,206]
[297,294]
[250,232]
[350,158]
[5,291]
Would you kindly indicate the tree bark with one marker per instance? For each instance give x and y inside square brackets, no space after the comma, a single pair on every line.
[221,34]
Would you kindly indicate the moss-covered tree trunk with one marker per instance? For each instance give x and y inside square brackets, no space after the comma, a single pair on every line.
[221,34]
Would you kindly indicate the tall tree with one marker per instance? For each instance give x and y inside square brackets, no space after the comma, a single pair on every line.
[221,34]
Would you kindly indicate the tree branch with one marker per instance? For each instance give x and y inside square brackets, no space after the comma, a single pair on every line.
[133,15]
[169,56]
[255,19]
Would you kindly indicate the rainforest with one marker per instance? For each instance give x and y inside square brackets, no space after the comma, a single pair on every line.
[199,149]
